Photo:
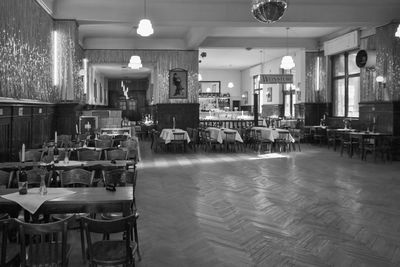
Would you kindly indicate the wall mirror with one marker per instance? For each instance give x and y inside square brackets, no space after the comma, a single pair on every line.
[210,88]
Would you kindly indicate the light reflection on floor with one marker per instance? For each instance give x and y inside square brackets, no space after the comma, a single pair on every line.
[182,160]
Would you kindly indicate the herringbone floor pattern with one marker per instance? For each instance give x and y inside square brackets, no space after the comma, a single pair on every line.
[309,208]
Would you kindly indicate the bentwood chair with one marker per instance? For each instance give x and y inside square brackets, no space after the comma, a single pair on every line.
[44,244]
[178,141]
[103,143]
[86,154]
[122,177]
[76,178]
[261,143]
[230,141]
[332,138]
[33,155]
[131,145]
[111,252]
[9,253]
[116,154]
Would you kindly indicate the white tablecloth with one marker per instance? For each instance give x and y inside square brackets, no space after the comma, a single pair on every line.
[168,135]
[219,134]
[272,134]
[33,200]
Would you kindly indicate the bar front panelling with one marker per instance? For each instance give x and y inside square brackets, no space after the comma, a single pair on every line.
[161,61]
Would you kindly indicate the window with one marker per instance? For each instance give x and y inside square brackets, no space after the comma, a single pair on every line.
[346,85]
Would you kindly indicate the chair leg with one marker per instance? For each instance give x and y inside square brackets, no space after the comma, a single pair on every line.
[82,241]
[137,240]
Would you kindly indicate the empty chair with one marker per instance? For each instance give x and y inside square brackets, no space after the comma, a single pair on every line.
[6,179]
[110,252]
[131,145]
[210,142]
[157,141]
[297,137]
[118,139]
[103,143]
[86,154]
[122,177]
[283,141]
[230,141]
[262,144]
[9,253]
[33,155]
[116,154]
[44,244]
[75,178]
[178,141]
[64,140]
[332,138]
[320,135]
[104,137]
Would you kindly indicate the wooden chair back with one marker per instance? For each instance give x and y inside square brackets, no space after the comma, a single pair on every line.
[89,154]
[76,178]
[104,143]
[116,177]
[104,137]
[34,176]
[6,178]
[9,251]
[64,140]
[34,155]
[102,248]
[230,137]
[48,244]
[116,154]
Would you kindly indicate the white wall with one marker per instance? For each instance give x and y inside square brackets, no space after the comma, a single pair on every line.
[225,76]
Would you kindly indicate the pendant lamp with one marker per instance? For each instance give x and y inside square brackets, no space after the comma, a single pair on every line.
[145,28]
[135,62]
[268,11]
[287,62]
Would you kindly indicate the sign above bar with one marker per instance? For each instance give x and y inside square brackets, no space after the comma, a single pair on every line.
[276,78]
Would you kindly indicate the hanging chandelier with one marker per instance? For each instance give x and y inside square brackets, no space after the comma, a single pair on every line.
[135,62]
[145,28]
[287,62]
[268,11]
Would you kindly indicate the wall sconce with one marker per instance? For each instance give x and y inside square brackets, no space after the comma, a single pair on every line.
[397,34]
[230,85]
[381,81]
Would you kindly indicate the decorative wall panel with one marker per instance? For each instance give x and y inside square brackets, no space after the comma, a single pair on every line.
[161,61]
[25,57]
[316,92]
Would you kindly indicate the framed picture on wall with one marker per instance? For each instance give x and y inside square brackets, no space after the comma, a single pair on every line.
[178,84]
[269,94]
[87,124]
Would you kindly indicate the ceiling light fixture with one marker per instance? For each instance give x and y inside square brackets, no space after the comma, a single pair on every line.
[145,28]
[135,62]
[287,62]
[397,34]
[268,11]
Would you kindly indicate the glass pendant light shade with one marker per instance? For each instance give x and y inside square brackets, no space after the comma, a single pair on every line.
[135,62]
[287,63]
[397,34]
[145,28]
[230,85]
[268,11]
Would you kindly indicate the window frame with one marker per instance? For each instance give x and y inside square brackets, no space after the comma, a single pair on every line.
[346,76]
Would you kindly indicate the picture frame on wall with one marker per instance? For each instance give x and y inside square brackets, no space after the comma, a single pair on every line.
[88,124]
[178,88]
[269,94]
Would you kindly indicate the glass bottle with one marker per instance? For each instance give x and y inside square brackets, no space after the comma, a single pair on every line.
[43,188]
[22,182]
[66,158]
[55,152]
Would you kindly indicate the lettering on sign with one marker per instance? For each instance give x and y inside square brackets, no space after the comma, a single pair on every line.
[276,78]
[1,111]
[20,111]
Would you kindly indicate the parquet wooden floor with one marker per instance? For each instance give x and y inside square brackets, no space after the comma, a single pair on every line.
[309,208]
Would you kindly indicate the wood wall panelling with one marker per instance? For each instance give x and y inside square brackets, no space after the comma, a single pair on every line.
[67,117]
[272,110]
[5,133]
[186,115]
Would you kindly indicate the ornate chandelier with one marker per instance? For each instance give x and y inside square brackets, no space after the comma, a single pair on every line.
[268,11]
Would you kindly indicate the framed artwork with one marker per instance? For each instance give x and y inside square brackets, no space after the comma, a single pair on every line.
[87,124]
[269,94]
[178,84]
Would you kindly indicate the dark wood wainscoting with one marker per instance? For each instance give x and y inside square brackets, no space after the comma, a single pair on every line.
[313,112]
[387,116]
[22,122]
[186,115]
[67,115]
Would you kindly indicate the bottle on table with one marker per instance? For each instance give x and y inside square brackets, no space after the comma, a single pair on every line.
[43,188]
[22,182]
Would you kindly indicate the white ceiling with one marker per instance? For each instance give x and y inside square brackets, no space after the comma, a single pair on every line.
[215,25]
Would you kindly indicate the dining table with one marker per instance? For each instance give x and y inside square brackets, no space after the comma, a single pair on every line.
[167,134]
[219,134]
[79,200]
[273,133]
[61,165]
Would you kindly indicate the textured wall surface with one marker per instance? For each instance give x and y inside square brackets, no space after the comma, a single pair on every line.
[313,92]
[161,61]
[26,54]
